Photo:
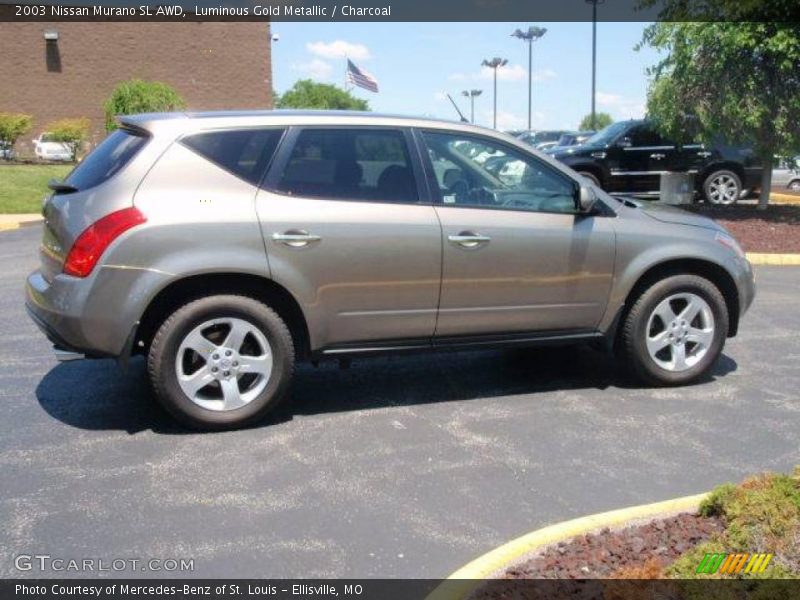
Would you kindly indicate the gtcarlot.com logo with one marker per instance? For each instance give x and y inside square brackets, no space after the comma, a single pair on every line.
[46,562]
[734,564]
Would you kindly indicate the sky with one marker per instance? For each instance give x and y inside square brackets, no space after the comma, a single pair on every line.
[416,64]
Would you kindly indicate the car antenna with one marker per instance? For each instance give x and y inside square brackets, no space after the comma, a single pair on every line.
[453,102]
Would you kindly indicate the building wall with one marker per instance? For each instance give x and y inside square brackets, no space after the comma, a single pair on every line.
[213,65]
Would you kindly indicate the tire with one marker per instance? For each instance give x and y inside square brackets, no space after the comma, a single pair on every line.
[795,185]
[722,187]
[234,355]
[591,177]
[701,338]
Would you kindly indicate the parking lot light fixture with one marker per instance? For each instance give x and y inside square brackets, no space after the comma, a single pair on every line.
[594,4]
[530,36]
[495,64]
[471,95]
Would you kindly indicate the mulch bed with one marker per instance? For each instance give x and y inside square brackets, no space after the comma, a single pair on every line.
[607,553]
[774,230]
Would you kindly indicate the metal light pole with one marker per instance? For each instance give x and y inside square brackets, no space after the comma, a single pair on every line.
[471,95]
[594,4]
[530,36]
[495,64]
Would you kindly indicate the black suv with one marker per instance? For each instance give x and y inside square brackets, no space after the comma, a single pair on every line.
[628,157]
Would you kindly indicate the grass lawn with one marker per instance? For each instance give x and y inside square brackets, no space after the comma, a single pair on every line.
[22,187]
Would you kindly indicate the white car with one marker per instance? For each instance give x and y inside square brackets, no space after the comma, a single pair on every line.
[48,149]
[786,174]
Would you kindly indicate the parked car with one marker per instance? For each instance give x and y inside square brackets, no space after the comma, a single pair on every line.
[786,173]
[538,138]
[571,139]
[6,151]
[226,247]
[46,148]
[628,157]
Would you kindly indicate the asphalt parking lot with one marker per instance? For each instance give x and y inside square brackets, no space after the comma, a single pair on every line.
[397,467]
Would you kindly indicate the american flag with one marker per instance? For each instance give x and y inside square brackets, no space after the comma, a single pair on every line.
[361,78]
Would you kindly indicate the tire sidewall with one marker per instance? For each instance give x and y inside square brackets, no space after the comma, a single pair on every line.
[715,174]
[193,315]
[655,295]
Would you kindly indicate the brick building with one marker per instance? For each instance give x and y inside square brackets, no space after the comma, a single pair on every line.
[212,65]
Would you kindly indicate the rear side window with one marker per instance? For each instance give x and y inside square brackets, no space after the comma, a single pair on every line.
[244,152]
[107,159]
[350,164]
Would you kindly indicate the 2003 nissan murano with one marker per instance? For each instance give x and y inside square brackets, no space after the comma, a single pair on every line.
[227,246]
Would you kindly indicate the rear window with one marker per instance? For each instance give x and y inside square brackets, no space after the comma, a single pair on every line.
[244,152]
[107,159]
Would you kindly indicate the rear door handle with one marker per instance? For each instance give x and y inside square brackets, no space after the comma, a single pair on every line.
[468,239]
[704,154]
[295,238]
[658,156]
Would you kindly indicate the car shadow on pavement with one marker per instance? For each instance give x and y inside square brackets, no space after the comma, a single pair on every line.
[96,395]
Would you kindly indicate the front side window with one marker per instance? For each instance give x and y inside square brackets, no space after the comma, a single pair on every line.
[350,164]
[645,135]
[244,152]
[480,172]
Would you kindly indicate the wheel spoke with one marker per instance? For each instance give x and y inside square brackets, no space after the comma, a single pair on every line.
[232,397]
[679,357]
[256,364]
[236,335]
[658,342]
[191,384]
[692,309]
[664,310]
[703,337]
[199,343]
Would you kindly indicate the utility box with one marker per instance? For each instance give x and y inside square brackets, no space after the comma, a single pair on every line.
[676,188]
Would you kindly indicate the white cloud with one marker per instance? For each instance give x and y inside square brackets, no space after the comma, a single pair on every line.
[315,68]
[621,106]
[339,49]
[457,77]
[505,119]
[507,73]
[440,96]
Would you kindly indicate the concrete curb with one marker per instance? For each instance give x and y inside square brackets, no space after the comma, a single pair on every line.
[11,221]
[494,562]
[784,260]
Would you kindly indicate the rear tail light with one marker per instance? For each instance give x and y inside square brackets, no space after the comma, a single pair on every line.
[94,240]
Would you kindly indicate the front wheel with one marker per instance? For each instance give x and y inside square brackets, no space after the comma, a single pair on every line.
[722,187]
[676,330]
[221,362]
[795,185]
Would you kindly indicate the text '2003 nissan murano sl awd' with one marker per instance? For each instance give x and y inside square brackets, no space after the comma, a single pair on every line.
[227,246]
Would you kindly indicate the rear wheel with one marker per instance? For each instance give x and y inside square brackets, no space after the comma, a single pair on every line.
[676,330]
[221,362]
[722,187]
[795,185]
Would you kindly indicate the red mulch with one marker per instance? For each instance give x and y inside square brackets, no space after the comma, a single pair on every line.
[601,555]
[776,229]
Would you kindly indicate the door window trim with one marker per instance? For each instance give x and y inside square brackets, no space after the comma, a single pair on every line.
[284,153]
[436,194]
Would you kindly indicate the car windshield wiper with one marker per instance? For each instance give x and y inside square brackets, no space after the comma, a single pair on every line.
[59,187]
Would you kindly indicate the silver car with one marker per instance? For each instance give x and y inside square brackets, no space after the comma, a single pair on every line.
[225,247]
[786,174]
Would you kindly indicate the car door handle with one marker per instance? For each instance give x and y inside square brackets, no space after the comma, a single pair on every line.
[295,238]
[704,154]
[658,156]
[468,239]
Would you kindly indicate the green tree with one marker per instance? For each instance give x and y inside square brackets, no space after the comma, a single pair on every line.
[12,126]
[309,94]
[724,79]
[72,132]
[137,96]
[601,119]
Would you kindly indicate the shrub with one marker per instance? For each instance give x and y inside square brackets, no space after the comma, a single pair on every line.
[137,96]
[72,132]
[12,126]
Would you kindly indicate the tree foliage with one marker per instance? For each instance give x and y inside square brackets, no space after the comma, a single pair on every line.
[72,132]
[310,94]
[724,79]
[12,126]
[137,96]
[601,120]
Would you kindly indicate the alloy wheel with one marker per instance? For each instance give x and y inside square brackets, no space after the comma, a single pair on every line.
[680,331]
[723,189]
[223,364]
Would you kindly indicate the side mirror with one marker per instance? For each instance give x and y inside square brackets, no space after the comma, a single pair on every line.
[624,142]
[586,198]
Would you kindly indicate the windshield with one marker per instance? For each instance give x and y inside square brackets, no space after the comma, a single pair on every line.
[605,136]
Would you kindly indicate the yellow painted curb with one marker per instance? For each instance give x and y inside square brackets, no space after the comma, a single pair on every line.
[501,558]
[784,198]
[758,258]
[8,226]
